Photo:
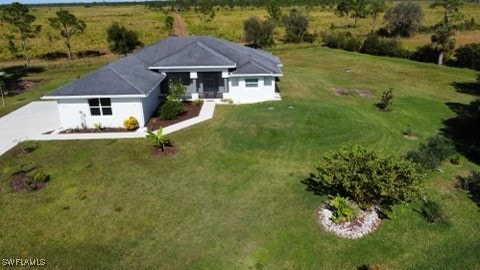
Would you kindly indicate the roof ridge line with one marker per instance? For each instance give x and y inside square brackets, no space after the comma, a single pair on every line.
[229,44]
[259,65]
[218,54]
[119,75]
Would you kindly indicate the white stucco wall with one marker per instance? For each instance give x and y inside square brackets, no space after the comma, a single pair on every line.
[74,112]
[150,104]
[239,93]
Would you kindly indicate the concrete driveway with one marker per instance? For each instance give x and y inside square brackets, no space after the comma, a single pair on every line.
[29,121]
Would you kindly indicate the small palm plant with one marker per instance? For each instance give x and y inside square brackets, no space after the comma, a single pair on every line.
[158,138]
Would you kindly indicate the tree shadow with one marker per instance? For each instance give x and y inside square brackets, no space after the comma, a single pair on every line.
[470,88]
[15,78]
[464,129]
[471,187]
[313,186]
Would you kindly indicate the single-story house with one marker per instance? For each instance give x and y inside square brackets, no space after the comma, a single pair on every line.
[132,86]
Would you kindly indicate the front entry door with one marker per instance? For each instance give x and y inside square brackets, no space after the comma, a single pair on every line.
[210,84]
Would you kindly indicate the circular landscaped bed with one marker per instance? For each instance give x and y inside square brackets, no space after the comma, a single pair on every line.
[364,223]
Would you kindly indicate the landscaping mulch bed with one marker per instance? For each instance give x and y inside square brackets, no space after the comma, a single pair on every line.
[340,91]
[190,111]
[94,130]
[365,223]
[364,93]
[169,150]
[22,182]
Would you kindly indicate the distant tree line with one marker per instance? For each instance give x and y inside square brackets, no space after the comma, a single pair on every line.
[21,22]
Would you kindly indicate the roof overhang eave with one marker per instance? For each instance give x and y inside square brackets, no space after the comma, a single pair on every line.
[92,96]
[257,75]
[191,67]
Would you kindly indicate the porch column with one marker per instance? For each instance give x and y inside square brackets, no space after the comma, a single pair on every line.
[194,77]
[225,85]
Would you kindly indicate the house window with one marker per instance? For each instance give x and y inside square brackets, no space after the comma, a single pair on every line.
[251,82]
[183,77]
[100,106]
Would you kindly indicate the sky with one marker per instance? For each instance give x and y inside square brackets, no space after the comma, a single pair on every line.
[62,1]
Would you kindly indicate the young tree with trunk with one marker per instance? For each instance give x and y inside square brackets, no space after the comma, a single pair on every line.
[375,8]
[259,33]
[274,11]
[68,25]
[121,40]
[2,86]
[404,18]
[19,17]
[343,9]
[207,11]
[296,26]
[169,23]
[359,10]
[451,9]
[442,38]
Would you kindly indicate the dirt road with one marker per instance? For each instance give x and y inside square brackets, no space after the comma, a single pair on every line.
[179,26]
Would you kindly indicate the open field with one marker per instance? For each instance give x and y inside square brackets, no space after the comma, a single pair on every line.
[227,24]
[52,76]
[232,198]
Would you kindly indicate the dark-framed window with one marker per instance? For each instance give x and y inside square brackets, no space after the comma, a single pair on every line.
[100,106]
[183,77]
[251,82]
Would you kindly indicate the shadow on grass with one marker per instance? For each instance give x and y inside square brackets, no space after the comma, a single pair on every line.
[464,129]
[315,187]
[15,75]
[470,88]
[471,185]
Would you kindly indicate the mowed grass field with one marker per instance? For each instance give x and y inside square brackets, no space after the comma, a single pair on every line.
[232,198]
[227,24]
[51,75]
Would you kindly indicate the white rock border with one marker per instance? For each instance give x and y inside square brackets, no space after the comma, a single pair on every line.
[365,223]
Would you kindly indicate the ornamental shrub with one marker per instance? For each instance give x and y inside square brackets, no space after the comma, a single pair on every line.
[376,45]
[471,184]
[367,177]
[131,123]
[41,177]
[387,97]
[429,155]
[198,102]
[171,109]
[342,40]
[342,209]
[432,212]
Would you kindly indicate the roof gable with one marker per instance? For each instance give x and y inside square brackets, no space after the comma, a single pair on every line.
[197,54]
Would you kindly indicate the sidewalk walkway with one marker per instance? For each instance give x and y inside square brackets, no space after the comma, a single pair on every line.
[206,113]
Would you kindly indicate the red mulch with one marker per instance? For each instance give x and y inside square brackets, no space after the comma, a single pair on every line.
[22,182]
[168,150]
[190,111]
[94,130]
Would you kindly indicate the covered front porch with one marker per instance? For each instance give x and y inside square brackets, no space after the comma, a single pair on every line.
[205,85]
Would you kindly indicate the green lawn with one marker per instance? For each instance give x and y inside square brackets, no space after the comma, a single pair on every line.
[232,197]
[52,76]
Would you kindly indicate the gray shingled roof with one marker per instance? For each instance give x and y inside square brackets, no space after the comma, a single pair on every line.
[127,76]
[131,75]
[194,55]
[205,51]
